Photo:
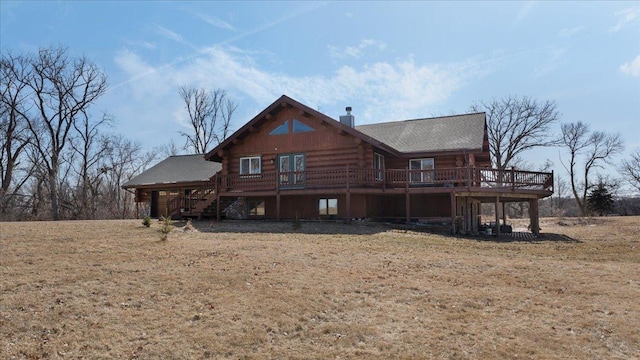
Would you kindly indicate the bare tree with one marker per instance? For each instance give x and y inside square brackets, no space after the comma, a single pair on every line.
[560,189]
[13,126]
[90,146]
[124,160]
[630,169]
[210,115]
[63,88]
[596,148]
[168,149]
[517,124]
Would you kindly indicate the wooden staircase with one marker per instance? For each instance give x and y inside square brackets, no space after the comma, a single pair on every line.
[196,203]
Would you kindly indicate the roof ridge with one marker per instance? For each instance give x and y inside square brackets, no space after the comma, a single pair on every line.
[176,155]
[421,119]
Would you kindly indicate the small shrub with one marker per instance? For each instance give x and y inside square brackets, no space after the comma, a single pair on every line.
[146,221]
[297,224]
[165,228]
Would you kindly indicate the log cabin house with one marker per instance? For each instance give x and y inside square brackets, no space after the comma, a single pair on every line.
[291,161]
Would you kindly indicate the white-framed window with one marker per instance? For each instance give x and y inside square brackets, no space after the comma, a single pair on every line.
[328,206]
[378,166]
[250,165]
[421,170]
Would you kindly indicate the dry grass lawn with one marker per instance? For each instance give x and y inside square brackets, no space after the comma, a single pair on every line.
[111,289]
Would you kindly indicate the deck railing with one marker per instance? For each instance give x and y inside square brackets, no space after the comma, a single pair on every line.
[349,177]
[391,178]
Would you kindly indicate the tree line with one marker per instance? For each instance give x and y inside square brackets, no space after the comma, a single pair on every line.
[517,124]
[60,160]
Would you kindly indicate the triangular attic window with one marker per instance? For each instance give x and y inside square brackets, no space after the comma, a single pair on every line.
[282,129]
[299,127]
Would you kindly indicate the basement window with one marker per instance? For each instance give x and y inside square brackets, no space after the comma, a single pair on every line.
[255,208]
[328,206]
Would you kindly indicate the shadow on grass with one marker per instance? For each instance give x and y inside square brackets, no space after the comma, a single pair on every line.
[360,228]
[287,227]
[524,237]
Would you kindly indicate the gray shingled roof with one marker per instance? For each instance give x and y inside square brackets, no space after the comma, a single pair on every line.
[176,169]
[430,135]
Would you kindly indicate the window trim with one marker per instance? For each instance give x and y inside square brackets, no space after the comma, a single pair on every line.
[427,175]
[327,207]
[378,159]
[249,158]
[292,177]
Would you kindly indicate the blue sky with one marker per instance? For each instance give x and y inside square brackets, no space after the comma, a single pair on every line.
[388,60]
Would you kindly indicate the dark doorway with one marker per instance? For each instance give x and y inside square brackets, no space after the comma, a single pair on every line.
[153,211]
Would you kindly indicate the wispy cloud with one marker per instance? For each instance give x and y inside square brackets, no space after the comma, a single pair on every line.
[297,11]
[523,13]
[396,90]
[214,21]
[355,51]
[164,32]
[625,17]
[568,32]
[144,44]
[631,68]
[554,61]
[305,8]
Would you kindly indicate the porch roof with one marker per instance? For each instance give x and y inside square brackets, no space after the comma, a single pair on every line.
[176,169]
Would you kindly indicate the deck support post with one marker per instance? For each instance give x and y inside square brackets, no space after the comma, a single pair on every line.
[497,208]
[476,216]
[453,213]
[277,188]
[407,200]
[504,213]
[468,214]
[534,217]
[347,219]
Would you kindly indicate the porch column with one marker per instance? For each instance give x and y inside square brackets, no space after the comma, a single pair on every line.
[476,216]
[453,213]
[534,217]
[504,213]
[407,202]
[347,220]
[278,206]
[497,208]
[467,215]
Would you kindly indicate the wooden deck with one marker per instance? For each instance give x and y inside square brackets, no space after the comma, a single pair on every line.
[481,183]
[352,179]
